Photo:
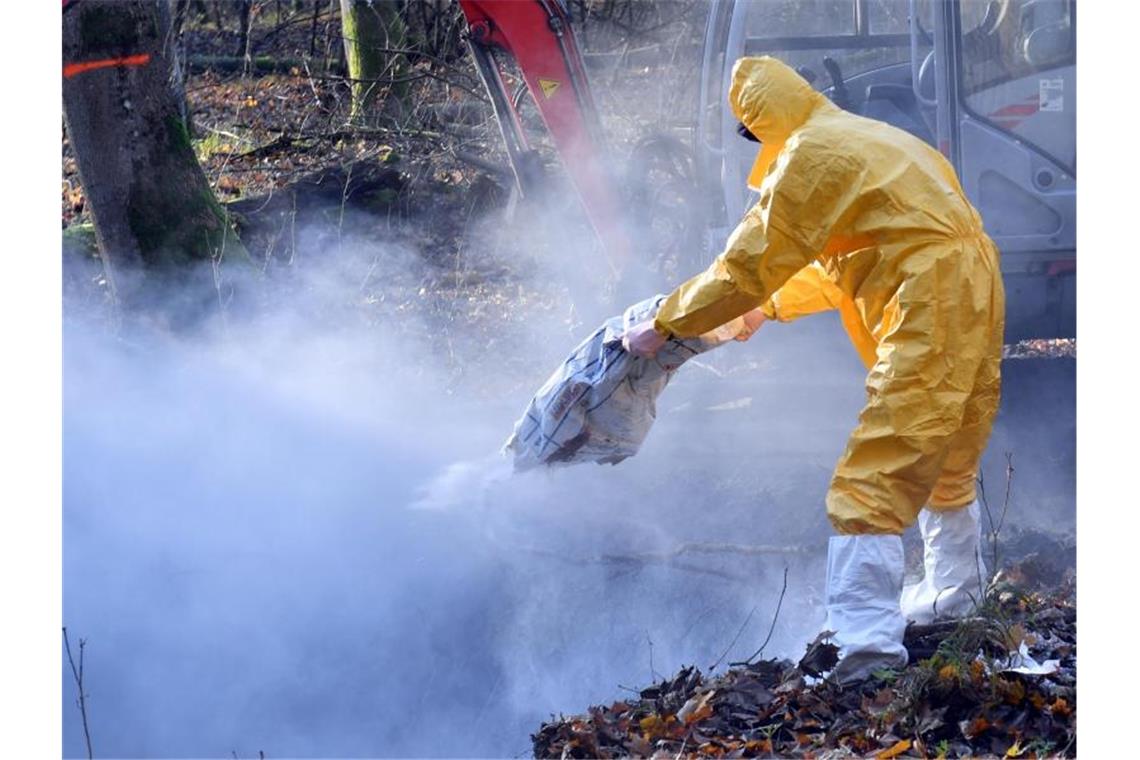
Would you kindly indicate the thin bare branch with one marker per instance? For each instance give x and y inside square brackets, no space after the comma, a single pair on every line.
[77,674]
[732,643]
[772,627]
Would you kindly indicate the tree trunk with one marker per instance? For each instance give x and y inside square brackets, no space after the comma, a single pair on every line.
[329,35]
[245,23]
[313,30]
[373,28]
[150,200]
[176,46]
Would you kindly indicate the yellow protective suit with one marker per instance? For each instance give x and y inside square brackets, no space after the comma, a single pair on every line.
[858,216]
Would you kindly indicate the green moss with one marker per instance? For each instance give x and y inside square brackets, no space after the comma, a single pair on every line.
[79,240]
[369,28]
[180,230]
[213,144]
[179,142]
[224,239]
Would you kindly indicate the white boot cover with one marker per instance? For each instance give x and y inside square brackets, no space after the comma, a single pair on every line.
[864,580]
[952,557]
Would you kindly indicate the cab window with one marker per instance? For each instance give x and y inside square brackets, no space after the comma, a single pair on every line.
[1018,70]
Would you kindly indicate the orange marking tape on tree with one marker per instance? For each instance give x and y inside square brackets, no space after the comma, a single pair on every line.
[71,69]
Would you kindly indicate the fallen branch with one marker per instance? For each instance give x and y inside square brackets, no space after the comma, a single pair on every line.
[705,547]
[258,64]
[281,142]
[490,167]
[366,132]
[630,562]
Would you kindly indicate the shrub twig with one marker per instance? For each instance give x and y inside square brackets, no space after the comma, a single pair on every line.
[995,527]
[772,627]
[734,638]
[77,674]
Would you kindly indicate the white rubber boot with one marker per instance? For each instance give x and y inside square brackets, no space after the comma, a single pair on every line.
[952,557]
[864,580]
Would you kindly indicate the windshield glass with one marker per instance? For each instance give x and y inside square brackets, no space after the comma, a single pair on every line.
[858,36]
[1019,70]
[793,18]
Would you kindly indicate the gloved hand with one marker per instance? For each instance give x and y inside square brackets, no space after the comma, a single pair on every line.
[643,339]
[752,322]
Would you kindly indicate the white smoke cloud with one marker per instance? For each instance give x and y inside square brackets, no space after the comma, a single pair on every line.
[291,530]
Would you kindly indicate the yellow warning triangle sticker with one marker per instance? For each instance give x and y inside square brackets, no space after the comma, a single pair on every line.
[549,87]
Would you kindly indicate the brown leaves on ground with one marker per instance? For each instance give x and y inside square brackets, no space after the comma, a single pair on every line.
[961,701]
[1041,348]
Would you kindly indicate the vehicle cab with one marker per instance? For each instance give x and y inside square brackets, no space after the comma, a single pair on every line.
[989,83]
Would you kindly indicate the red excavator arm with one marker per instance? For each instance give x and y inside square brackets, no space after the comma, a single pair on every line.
[537,34]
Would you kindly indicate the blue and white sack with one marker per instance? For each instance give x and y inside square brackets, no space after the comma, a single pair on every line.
[599,404]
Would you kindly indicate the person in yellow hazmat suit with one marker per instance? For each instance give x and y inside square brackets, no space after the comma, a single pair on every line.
[856,215]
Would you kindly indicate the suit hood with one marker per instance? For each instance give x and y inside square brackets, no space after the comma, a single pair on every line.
[773,101]
[770,98]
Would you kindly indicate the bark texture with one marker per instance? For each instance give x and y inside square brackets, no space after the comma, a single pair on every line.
[150,200]
[372,29]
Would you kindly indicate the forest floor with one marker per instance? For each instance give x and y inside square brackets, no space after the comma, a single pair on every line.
[280,150]
[1000,684]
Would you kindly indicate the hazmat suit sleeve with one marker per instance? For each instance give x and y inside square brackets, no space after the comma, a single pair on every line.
[807,191]
[809,291]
